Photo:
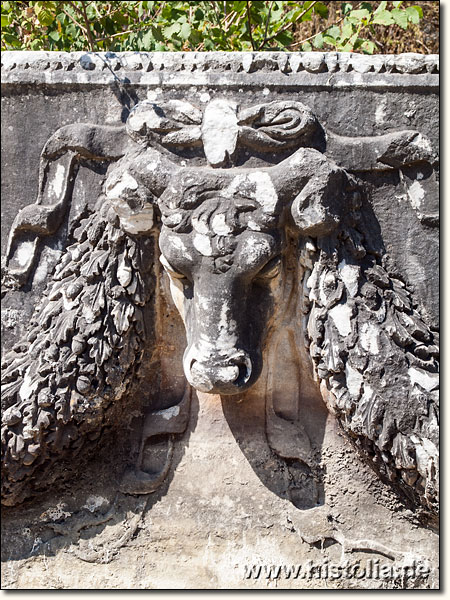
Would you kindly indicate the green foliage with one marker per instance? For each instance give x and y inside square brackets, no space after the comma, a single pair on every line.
[352,34]
[169,26]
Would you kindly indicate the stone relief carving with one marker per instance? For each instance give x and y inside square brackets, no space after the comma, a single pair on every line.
[227,234]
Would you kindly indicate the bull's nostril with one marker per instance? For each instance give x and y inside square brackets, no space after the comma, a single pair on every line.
[242,374]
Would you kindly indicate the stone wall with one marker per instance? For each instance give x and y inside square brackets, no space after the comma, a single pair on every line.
[138,480]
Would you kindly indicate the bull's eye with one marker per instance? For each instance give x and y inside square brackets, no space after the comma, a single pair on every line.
[270,269]
[171,271]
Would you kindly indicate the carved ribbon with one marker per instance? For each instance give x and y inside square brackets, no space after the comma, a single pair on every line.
[222,126]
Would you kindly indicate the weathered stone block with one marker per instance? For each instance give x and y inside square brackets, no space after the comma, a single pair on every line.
[220,317]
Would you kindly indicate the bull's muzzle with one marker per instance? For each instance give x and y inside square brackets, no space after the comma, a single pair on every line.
[229,374]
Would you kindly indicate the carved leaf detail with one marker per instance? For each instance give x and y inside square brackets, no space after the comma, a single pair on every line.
[80,356]
[122,313]
[100,350]
[94,264]
[52,308]
[97,298]
[377,358]
[64,325]
[124,271]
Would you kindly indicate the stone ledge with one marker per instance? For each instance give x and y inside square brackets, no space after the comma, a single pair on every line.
[329,69]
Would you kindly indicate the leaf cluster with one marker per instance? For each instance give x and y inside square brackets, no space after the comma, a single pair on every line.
[351,33]
[200,26]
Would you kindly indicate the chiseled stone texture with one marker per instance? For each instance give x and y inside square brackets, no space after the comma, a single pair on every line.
[260,476]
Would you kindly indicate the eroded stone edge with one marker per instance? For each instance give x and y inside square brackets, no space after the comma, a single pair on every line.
[61,67]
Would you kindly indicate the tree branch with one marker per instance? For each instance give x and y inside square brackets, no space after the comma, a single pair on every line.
[322,30]
[97,11]
[74,20]
[249,23]
[231,16]
[217,10]
[113,35]
[85,28]
[88,28]
[267,26]
[289,25]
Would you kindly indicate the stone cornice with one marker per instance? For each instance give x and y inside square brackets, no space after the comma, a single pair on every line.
[222,69]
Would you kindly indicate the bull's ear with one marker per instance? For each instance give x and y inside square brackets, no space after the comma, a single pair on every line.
[135,186]
[392,150]
[316,210]
[57,170]
[314,187]
[153,169]
[87,140]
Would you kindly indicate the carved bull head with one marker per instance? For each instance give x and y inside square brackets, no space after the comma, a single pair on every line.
[222,243]
[223,233]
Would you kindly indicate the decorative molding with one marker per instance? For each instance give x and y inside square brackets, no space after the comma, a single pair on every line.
[303,69]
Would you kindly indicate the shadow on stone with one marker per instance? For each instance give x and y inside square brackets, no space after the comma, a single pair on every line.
[296,478]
